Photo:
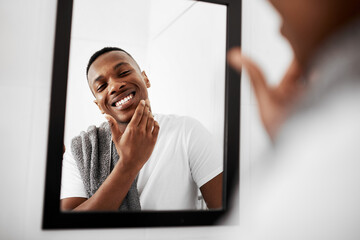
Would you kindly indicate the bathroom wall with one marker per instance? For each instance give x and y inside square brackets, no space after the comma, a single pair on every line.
[26,46]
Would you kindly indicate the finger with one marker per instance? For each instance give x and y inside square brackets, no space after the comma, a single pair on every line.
[156,129]
[292,75]
[291,85]
[256,77]
[115,131]
[294,69]
[136,118]
[147,103]
[234,58]
[144,118]
[150,123]
[238,61]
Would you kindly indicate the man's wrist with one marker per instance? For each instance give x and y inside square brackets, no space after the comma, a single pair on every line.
[123,169]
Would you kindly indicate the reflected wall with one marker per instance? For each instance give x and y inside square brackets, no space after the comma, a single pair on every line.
[180,44]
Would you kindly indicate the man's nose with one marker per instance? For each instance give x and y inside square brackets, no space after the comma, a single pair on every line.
[115,86]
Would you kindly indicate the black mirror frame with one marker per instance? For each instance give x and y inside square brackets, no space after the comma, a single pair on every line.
[53,218]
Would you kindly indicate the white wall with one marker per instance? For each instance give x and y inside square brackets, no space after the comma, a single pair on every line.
[26,45]
[186,65]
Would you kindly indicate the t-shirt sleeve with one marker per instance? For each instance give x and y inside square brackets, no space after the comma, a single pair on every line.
[205,156]
[71,181]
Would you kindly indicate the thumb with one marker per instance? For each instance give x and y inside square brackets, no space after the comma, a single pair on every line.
[238,61]
[116,133]
[291,78]
[234,58]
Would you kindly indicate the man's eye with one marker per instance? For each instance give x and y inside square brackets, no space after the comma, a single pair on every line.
[101,87]
[121,74]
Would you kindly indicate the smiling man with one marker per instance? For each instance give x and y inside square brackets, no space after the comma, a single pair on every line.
[137,160]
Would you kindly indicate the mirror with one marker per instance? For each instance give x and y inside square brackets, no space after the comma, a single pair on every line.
[184,58]
[181,45]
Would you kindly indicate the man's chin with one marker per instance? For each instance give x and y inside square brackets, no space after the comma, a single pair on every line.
[125,118]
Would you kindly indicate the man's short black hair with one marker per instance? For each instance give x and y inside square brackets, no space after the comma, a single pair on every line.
[101,52]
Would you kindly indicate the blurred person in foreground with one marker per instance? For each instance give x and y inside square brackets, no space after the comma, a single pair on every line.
[307,186]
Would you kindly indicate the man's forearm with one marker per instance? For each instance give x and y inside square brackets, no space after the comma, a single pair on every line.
[212,192]
[111,193]
[142,131]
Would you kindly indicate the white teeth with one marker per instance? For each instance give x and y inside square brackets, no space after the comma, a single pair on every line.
[124,100]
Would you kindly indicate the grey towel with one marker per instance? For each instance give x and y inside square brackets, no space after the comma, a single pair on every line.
[95,156]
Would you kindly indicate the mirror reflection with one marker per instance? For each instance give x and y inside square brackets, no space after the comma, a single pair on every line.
[145,106]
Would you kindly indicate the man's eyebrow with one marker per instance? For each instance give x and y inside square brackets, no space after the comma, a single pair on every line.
[115,67]
[120,64]
[98,78]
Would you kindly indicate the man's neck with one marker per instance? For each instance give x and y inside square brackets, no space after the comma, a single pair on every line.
[122,127]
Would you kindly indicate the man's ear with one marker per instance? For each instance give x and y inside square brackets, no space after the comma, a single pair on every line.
[146,79]
[102,112]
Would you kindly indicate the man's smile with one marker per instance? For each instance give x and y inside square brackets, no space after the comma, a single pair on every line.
[124,100]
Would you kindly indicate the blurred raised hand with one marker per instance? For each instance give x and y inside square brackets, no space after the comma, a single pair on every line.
[275,103]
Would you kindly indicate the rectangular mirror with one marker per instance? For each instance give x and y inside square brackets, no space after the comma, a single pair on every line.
[181,45]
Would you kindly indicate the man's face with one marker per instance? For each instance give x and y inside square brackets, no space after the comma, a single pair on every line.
[117,84]
[296,19]
[304,22]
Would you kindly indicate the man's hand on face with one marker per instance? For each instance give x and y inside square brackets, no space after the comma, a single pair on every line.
[275,103]
[137,142]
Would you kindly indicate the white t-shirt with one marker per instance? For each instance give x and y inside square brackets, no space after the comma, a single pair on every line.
[185,157]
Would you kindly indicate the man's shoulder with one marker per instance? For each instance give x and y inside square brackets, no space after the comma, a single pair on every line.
[174,119]
[93,129]
[178,124]
[92,132]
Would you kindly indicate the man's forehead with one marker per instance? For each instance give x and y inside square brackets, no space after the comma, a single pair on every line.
[107,61]
[109,58]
